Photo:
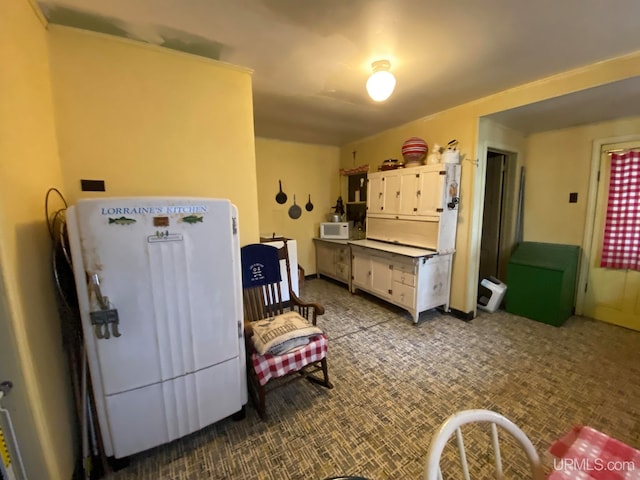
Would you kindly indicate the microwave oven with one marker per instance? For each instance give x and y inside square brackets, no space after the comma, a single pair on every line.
[335,230]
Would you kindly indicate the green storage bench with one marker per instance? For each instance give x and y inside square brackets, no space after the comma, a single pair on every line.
[541,281]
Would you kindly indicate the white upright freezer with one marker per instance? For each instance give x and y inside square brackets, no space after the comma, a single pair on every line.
[160,298]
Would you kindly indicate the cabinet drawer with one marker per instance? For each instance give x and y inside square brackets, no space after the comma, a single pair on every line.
[342,255]
[404,294]
[342,271]
[404,274]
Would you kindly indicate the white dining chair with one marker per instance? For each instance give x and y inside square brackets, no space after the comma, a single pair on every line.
[453,425]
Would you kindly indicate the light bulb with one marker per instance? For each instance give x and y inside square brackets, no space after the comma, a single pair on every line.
[381,83]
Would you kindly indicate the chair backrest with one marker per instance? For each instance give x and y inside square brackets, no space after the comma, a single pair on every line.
[261,277]
[452,425]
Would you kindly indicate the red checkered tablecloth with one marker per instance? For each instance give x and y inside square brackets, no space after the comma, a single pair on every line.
[587,454]
[269,366]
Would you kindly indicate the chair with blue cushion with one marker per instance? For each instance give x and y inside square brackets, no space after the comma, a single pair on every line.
[283,342]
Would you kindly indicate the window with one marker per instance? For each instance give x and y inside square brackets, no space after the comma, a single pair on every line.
[621,243]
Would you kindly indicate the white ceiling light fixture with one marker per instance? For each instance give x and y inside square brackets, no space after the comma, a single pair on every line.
[381,82]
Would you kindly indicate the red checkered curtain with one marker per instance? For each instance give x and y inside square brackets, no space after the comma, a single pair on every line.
[621,245]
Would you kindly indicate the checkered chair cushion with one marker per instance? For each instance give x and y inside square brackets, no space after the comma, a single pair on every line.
[269,366]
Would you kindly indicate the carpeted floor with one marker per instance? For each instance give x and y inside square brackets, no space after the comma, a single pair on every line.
[396,382]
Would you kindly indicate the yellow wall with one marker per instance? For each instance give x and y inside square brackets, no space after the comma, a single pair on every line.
[31,354]
[304,170]
[151,121]
[559,162]
[462,123]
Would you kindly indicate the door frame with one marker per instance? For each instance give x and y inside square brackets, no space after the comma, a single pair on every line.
[515,159]
[507,208]
[592,198]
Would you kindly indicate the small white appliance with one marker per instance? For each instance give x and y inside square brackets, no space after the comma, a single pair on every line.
[160,296]
[496,290]
[335,230]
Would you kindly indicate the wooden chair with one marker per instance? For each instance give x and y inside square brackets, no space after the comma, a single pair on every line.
[262,298]
[453,425]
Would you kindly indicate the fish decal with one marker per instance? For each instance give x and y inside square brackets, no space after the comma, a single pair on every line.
[122,221]
[192,219]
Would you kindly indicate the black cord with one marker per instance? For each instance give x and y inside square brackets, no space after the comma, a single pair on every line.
[48,218]
[62,269]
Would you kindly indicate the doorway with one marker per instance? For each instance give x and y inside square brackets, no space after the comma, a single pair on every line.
[610,295]
[499,209]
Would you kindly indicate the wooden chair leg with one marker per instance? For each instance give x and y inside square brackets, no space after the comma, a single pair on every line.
[257,392]
[325,371]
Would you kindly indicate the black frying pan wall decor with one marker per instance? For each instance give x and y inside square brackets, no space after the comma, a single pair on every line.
[294,210]
[309,206]
[281,197]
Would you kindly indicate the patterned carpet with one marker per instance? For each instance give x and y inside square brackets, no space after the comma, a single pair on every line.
[396,382]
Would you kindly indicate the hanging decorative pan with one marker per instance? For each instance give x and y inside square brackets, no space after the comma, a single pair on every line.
[281,197]
[309,206]
[294,210]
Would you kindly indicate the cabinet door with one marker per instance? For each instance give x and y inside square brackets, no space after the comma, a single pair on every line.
[410,184]
[381,277]
[392,188]
[361,271]
[325,258]
[434,282]
[431,192]
[375,194]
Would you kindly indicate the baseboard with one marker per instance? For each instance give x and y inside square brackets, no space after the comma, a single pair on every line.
[329,279]
[464,316]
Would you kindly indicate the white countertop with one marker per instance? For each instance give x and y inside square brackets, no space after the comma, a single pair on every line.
[394,248]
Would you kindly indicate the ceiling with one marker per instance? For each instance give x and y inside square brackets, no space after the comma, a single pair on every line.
[311,59]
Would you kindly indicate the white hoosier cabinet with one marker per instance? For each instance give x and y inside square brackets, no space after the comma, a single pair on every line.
[160,297]
[407,257]
[415,279]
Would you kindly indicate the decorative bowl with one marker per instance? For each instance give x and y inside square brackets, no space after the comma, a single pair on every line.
[414,151]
